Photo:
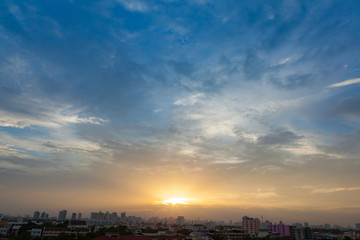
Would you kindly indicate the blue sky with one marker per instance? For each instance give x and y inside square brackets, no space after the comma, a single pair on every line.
[179,96]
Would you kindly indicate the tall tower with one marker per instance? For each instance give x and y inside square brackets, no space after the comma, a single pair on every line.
[62,215]
[36,215]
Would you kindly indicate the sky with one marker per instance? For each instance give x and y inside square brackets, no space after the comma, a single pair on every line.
[239,107]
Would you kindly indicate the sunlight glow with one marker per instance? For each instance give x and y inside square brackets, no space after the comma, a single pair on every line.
[175,201]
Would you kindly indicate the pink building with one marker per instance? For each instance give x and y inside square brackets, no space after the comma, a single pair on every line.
[282,229]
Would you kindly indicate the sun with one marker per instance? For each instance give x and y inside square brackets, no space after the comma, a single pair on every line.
[174,201]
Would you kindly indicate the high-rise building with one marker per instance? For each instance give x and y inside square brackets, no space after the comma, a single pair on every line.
[73,216]
[357,226]
[62,215]
[43,215]
[79,216]
[251,225]
[308,233]
[123,215]
[114,216]
[97,216]
[36,215]
[180,220]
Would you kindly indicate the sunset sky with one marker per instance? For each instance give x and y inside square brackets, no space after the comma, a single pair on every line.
[237,107]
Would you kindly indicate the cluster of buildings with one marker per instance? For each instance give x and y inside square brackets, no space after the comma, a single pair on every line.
[254,228]
[168,228]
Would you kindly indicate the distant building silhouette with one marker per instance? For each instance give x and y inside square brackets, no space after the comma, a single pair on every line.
[36,215]
[180,220]
[300,233]
[62,215]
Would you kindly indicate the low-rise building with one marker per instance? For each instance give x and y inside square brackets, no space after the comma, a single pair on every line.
[282,229]
[164,236]
[4,228]
[55,231]
[234,235]
[35,232]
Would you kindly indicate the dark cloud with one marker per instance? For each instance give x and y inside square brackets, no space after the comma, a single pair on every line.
[347,107]
[294,81]
[347,144]
[279,137]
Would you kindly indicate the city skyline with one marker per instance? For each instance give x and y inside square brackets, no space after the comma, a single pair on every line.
[58,215]
[109,217]
[208,109]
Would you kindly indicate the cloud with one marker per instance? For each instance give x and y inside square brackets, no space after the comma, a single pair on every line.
[325,190]
[254,66]
[191,100]
[53,118]
[283,61]
[345,83]
[279,137]
[294,81]
[135,5]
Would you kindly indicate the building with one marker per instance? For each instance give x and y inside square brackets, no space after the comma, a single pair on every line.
[35,232]
[163,236]
[119,237]
[36,215]
[4,228]
[263,233]
[79,216]
[73,216]
[15,230]
[75,228]
[62,215]
[307,233]
[123,216]
[357,226]
[78,224]
[234,235]
[55,231]
[200,235]
[180,220]
[296,233]
[97,216]
[282,229]
[251,225]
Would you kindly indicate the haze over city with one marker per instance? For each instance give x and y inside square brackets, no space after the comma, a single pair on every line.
[204,109]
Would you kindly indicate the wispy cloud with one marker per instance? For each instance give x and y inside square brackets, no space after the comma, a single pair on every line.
[191,100]
[326,190]
[134,5]
[345,83]
[52,119]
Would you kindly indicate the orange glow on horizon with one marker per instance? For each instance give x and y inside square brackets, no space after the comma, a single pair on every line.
[175,201]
